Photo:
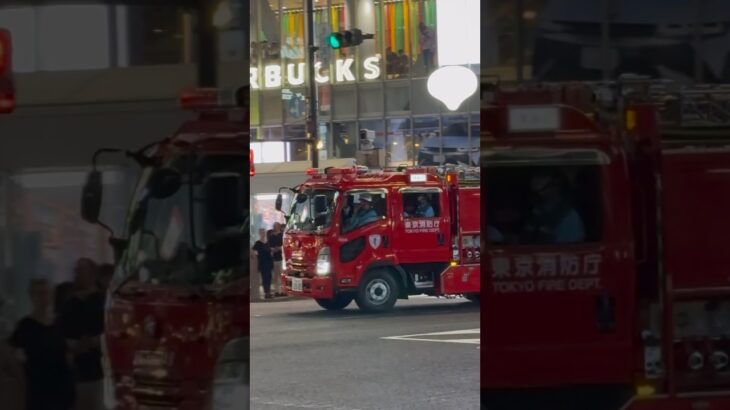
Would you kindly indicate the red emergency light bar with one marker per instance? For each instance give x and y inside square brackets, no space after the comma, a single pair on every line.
[252,171]
[206,99]
[5,51]
[7,89]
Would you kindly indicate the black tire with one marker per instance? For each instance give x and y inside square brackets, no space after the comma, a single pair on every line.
[377,293]
[340,301]
[473,297]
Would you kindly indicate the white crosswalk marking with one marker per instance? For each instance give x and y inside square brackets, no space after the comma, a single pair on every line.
[467,337]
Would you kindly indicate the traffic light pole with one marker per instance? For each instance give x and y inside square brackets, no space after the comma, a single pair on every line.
[313,107]
[207,57]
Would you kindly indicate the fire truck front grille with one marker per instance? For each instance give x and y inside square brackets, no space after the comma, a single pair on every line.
[301,268]
[156,393]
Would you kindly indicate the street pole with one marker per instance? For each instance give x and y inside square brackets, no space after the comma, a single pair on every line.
[312,120]
[207,45]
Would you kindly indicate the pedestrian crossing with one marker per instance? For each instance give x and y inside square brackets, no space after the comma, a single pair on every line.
[466,336]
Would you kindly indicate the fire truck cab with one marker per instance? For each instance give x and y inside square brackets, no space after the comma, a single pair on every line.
[606,213]
[177,313]
[376,237]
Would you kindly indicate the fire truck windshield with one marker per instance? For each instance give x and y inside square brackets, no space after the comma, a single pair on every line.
[167,236]
[303,215]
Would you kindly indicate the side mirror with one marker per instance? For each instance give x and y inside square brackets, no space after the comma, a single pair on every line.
[224,199]
[91,197]
[278,203]
[320,204]
[164,183]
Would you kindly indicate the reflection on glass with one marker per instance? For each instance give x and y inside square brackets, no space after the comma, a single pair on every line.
[400,142]
[427,132]
[344,139]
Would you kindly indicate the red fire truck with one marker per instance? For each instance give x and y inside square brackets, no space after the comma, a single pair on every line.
[177,314]
[380,236]
[605,275]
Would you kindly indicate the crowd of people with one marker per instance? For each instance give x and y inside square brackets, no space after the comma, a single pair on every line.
[268,252]
[53,358]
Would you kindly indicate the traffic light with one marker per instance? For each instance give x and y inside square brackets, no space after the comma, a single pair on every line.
[7,88]
[347,38]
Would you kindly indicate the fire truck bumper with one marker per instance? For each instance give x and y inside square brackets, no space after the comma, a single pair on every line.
[317,288]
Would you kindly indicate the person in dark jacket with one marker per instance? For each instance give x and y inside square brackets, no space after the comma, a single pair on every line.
[275,238]
[82,321]
[41,347]
[265,261]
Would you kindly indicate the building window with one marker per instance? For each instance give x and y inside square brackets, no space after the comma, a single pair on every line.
[43,39]
[154,35]
[428,140]
[401,147]
[344,139]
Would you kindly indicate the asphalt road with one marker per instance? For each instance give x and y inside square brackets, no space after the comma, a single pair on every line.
[303,357]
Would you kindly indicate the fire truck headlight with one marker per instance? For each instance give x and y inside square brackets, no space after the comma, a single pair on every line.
[323,262]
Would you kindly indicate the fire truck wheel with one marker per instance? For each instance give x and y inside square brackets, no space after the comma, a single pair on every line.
[339,302]
[473,297]
[377,292]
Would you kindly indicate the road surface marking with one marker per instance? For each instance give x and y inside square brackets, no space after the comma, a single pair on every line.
[467,337]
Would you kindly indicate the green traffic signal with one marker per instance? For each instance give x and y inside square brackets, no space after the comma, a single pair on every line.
[335,40]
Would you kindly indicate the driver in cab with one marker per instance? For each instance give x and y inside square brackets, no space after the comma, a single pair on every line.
[424,208]
[364,214]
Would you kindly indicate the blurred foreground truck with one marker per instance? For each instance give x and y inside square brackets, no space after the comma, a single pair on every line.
[617,296]
[177,313]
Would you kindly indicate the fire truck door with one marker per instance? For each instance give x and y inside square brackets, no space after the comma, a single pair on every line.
[421,226]
[364,233]
[558,270]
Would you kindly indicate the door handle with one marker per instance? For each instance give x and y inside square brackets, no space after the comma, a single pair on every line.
[440,239]
[385,242]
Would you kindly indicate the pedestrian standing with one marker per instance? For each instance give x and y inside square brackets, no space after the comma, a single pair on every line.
[265,262]
[41,347]
[428,46]
[82,321]
[276,241]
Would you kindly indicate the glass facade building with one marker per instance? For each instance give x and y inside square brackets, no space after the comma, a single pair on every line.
[563,40]
[378,87]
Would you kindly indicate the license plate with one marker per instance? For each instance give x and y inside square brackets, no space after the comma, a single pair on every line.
[297,285]
[439,158]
